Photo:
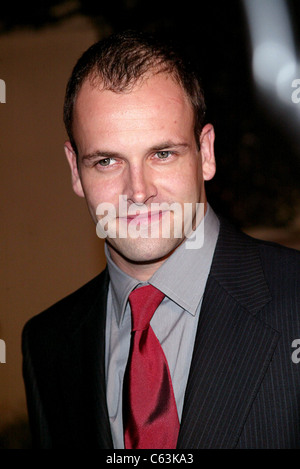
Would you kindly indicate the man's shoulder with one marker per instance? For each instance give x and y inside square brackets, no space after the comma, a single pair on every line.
[278,252]
[281,266]
[269,251]
[241,252]
[257,272]
[55,322]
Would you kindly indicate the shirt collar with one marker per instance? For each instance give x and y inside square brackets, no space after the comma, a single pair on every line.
[121,286]
[182,277]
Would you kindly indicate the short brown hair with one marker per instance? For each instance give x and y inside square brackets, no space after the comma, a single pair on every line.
[121,60]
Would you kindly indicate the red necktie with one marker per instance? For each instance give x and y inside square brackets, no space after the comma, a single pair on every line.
[150,413]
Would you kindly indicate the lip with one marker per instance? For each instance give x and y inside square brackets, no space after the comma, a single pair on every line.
[148,217]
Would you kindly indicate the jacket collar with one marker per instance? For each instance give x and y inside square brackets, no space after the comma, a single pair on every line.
[238,269]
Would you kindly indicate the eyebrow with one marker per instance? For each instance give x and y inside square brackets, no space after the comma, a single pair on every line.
[97,153]
[155,148]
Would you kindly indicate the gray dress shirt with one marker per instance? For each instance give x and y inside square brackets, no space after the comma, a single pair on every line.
[182,278]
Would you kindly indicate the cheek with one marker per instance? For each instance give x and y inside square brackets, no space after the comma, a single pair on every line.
[95,195]
[194,177]
[185,183]
[99,189]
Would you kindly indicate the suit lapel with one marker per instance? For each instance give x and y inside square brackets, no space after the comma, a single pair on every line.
[233,346]
[83,372]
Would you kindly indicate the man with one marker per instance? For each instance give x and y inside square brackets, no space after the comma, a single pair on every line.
[213,365]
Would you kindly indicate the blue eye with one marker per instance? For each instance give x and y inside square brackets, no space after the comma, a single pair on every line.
[163,155]
[104,162]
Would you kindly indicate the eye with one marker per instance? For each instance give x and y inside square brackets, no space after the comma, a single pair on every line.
[164,154]
[106,162]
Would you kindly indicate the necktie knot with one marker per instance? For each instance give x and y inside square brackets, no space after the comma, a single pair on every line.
[143,302]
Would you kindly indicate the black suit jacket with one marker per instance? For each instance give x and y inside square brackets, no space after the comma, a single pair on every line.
[243,389]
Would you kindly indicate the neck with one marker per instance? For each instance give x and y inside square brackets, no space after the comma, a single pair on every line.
[142,271]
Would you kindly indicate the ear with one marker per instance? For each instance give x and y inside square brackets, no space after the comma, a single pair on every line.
[72,160]
[207,139]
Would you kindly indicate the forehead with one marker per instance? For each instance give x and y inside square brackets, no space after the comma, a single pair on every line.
[153,93]
[158,104]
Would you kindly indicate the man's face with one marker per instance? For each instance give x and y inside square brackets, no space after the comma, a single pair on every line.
[140,145]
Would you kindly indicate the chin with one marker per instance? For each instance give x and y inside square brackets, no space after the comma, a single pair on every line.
[145,250]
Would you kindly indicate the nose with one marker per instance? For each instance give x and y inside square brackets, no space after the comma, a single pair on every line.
[140,185]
